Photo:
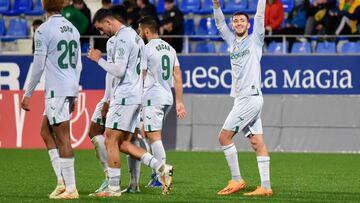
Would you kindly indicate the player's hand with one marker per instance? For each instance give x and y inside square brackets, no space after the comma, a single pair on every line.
[94,54]
[180,110]
[104,110]
[25,103]
[216,3]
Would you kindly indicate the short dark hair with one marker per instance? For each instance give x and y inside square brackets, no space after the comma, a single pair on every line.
[105,1]
[239,13]
[101,14]
[37,22]
[149,22]
[120,13]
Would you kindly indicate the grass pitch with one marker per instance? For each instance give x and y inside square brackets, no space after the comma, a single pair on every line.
[27,176]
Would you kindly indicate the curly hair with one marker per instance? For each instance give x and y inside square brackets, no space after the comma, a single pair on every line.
[53,5]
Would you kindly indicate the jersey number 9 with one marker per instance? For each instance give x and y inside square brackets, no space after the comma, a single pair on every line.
[165,63]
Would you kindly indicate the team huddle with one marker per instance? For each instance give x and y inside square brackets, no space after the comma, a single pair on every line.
[138,95]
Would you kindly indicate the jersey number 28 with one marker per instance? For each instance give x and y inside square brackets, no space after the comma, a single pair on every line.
[68,52]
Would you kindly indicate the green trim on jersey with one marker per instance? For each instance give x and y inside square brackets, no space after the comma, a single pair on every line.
[52,94]
[123,101]
[149,102]
[115,125]
[237,129]
[54,120]
[98,121]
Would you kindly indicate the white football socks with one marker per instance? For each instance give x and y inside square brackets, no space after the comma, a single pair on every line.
[100,149]
[151,161]
[55,162]
[68,172]
[158,151]
[264,171]
[114,178]
[232,160]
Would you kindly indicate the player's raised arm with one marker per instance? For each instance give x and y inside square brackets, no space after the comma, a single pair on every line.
[180,108]
[259,30]
[224,30]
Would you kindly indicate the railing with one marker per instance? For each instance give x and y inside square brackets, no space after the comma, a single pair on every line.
[188,39]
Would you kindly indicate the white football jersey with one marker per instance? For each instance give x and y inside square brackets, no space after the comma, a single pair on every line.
[110,80]
[245,53]
[160,62]
[59,41]
[128,49]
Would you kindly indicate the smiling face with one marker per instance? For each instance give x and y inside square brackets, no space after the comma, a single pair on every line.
[240,24]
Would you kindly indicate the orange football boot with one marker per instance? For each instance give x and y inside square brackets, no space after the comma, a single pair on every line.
[232,187]
[260,191]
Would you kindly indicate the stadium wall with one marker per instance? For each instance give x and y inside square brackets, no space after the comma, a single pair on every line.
[311,103]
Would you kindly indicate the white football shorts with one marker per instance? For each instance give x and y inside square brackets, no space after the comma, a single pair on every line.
[154,116]
[122,117]
[96,117]
[57,109]
[245,116]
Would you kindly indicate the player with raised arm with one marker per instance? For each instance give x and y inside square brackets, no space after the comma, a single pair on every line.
[57,52]
[162,66]
[245,56]
[125,100]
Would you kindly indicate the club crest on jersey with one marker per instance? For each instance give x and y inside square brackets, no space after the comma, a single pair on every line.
[120,51]
[38,43]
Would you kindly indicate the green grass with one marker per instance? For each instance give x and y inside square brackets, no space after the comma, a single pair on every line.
[27,176]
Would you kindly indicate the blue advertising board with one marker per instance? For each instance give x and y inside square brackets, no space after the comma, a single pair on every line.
[212,74]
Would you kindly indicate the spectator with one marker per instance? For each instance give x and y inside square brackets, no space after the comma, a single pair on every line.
[147,9]
[106,4]
[132,13]
[82,7]
[173,24]
[36,23]
[295,23]
[274,16]
[349,17]
[321,19]
[73,15]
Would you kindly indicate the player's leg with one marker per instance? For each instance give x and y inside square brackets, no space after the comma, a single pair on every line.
[165,171]
[262,155]
[236,183]
[153,121]
[97,129]
[112,140]
[233,124]
[254,132]
[49,140]
[134,166]
[59,118]
[98,140]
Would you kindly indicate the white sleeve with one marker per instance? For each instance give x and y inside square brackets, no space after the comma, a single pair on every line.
[79,66]
[117,69]
[144,59]
[108,81]
[224,30]
[38,69]
[259,30]
[40,42]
